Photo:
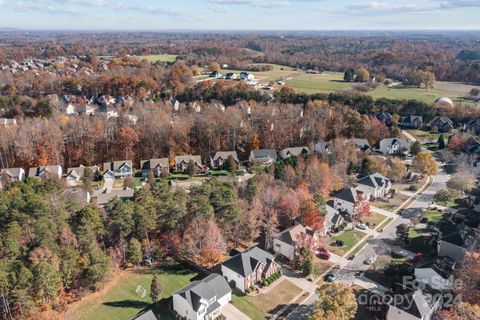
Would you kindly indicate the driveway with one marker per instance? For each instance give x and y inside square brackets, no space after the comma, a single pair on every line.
[232,313]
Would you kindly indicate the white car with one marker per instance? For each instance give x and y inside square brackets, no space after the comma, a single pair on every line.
[362,226]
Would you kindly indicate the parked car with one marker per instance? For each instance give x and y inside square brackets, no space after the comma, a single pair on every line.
[331,277]
[324,255]
[362,226]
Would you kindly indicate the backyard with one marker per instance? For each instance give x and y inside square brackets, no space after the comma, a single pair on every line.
[264,305]
[121,302]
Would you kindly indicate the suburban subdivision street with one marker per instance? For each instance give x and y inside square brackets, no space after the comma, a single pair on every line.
[351,270]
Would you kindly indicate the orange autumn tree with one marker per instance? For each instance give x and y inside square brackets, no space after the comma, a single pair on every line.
[362,207]
[470,276]
[127,138]
[309,213]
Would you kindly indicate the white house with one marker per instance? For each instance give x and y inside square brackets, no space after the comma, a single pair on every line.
[287,242]
[377,185]
[412,305]
[86,109]
[247,76]
[9,175]
[46,171]
[69,110]
[245,269]
[121,169]
[437,274]
[202,300]
[263,156]
[345,200]
[391,146]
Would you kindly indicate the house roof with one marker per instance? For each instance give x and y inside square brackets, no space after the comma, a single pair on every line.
[391,141]
[294,151]
[375,180]
[443,266]
[460,235]
[322,146]
[415,303]
[441,120]
[153,163]
[115,165]
[147,315]
[77,172]
[473,122]
[360,143]
[292,234]
[188,158]
[34,172]
[384,116]
[213,286]
[104,197]
[349,194]
[244,263]
[12,172]
[264,153]
[225,154]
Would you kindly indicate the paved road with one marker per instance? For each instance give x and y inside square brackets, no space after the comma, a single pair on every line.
[381,244]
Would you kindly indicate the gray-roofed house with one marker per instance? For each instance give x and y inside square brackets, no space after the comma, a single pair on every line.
[9,175]
[322,147]
[412,305]
[384,117]
[120,169]
[247,268]
[75,175]
[345,200]
[455,240]
[473,127]
[414,122]
[203,299]
[159,167]
[263,156]
[391,146]
[377,185]
[294,151]
[145,315]
[441,124]
[360,144]
[103,197]
[181,162]
[221,157]
[333,219]
[46,172]
[289,240]
[437,274]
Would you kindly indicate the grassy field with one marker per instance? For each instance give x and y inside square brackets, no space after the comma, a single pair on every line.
[120,302]
[328,82]
[349,238]
[392,204]
[159,57]
[264,305]
[433,216]
[374,220]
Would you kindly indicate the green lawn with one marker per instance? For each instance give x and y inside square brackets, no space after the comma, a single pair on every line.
[159,57]
[433,216]
[349,238]
[121,302]
[264,305]
[374,220]
[392,204]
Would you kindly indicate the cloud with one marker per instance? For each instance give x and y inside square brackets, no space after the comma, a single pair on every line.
[386,7]
[253,3]
[223,10]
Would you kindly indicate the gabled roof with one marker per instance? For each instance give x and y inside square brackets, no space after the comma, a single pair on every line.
[148,315]
[375,180]
[188,158]
[460,235]
[322,146]
[213,286]
[11,172]
[442,121]
[391,141]
[225,154]
[294,151]
[443,266]
[349,194]
[115,165]
[37,171]
[264,153]
[415,303]
[292,234]
[245,263]
[473,122]
[154,163]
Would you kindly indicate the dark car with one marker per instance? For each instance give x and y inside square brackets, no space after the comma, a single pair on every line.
[331,277]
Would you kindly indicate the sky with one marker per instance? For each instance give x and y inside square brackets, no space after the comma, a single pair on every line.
[157,15]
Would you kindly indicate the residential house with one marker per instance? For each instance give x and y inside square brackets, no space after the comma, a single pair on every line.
[377,185]
[345,200]
[181,162]
[473,127]
[86,109]
[263,156]
[385,117]
[455,240]
[410,304]
[125,101]
[146,315]
[221,157]
[437,274]
[7,122]
[288,241]
[174,103]
[245,269]
[46,172]
[215,74]
[80,195]
[9,175]
[69,109]
[414,122]
[106,100]
[75,175]
[361,145]
[106,195]
[109,112]
[333,219]
[203,299]
[294,151]
[247,76]
[231,76]
[441,124]
[159,167]
[120,169]
[394,146]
